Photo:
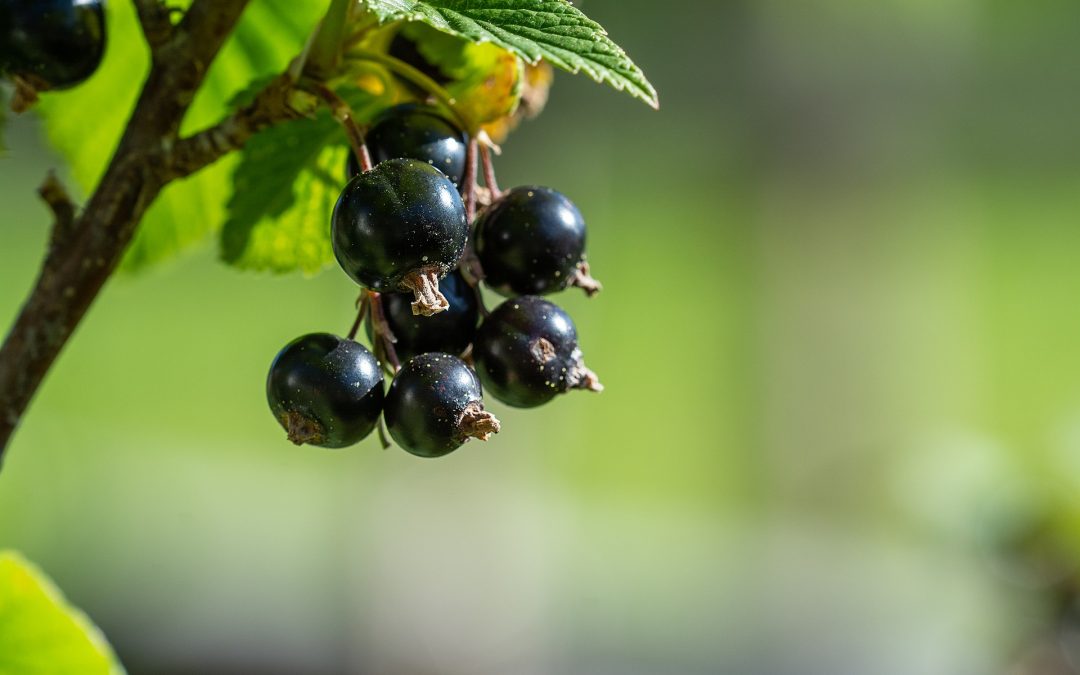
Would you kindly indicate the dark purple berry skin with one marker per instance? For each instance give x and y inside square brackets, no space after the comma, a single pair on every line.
[526,353]
[325,390]
[426,402]
[530,242]
[401,217]
[53,44]
[415,132]
[451,331]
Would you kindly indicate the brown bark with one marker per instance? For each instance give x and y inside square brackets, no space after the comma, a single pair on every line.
[86,246]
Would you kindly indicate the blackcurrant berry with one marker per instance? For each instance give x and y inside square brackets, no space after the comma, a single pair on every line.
[325,390]
[451,331]
[434,405]
[52,44]
[400,227]
[526,353]
[415,132]
[531,241]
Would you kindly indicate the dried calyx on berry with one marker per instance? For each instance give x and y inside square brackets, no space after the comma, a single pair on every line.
[435,405]
[450,332]
[526,353]
[325,390]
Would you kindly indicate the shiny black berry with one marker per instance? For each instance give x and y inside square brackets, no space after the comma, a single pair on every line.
[400,227]
[325,390]
[415,132]
[52,44]
[434,405]
[526,353]
[451,331]
[531,241]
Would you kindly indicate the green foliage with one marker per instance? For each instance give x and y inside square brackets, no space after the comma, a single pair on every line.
[485,79]
[85,123]
[40,632]
[553,30]
[272,202]
[284,190]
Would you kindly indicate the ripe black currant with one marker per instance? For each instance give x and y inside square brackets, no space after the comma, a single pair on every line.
[531,241]
[400,227]
[415,132]
[434,405]
[451,331]
[52,44]
[325,390]
[526,353]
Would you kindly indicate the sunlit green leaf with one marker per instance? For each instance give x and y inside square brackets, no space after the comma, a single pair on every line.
[285,186]
[40,633]
[553,30]
[85,123]
[484,79]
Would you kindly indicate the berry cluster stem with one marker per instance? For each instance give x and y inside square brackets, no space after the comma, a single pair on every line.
[362,304]
[382,337]
[469,180]
[345,116]
[489,171]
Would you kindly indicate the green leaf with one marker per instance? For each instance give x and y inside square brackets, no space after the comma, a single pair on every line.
[40,633]
[284,189]
[85,123]
[553,30]
[484,79]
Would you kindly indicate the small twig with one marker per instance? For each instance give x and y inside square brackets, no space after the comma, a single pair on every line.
[54,194]
[362,304]
[484,313]
[383,440]
[473,273]
[25,96]
[156,21]
[381,333]
[271,106]
[344,114]
[489,171]
[469,180]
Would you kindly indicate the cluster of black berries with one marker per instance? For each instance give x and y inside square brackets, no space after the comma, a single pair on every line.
[402,231]
[51,44]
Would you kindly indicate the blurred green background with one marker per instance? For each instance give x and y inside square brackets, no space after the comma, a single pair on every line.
[841,430]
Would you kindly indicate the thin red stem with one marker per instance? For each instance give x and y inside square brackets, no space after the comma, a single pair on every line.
[469,180]
[360,314]
[383,336]
[489,171]
[344,114]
